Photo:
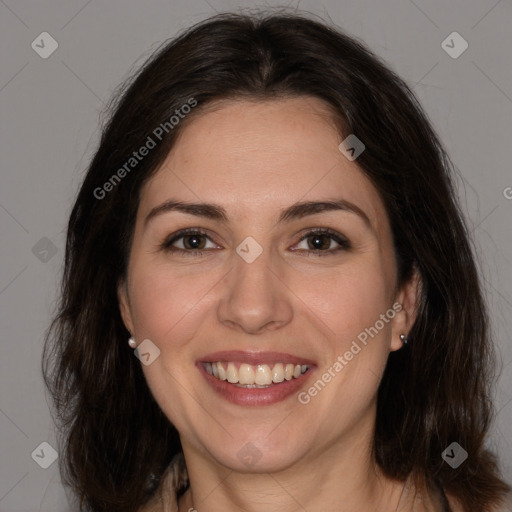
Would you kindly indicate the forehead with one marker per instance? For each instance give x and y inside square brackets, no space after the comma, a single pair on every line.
[255,158]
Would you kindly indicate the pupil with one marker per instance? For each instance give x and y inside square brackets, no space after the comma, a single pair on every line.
[196,242]
[317,242]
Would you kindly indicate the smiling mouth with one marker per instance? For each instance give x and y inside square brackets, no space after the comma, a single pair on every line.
[249,376]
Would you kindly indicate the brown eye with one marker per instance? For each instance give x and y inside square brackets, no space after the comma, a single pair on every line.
[320,241]
[191,242]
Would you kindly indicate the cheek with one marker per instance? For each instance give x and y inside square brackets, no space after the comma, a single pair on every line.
[167,306]
[350,302]
[348,299]
[162,298]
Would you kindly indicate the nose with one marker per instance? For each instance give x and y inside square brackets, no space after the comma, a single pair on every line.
[255,298]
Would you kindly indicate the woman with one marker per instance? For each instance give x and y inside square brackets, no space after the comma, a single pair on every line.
[270,223]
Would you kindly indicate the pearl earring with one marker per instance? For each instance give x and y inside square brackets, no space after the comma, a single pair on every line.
[132,343]
[403,337]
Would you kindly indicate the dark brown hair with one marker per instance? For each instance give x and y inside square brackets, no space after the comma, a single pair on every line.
[116,442]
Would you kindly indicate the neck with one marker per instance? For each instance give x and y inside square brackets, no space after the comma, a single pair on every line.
[342,477]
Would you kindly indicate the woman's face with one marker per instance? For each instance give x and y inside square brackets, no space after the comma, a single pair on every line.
[255,290]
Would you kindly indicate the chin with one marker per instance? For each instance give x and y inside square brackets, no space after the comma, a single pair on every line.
[250,455]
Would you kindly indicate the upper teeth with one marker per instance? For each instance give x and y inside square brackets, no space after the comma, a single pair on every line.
[261,374]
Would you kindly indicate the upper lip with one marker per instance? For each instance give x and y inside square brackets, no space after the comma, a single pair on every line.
[254,357]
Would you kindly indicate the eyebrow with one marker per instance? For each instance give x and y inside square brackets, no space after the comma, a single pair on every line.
[295,211]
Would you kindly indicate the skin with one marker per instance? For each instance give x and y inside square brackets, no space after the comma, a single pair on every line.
[255,159]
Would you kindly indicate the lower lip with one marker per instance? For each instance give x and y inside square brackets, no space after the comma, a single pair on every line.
[255,396]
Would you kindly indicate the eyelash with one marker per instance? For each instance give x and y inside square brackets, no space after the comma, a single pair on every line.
[344,244]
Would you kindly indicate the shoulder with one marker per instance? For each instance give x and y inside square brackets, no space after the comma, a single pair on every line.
[455,506]
[173,480]
[507,505]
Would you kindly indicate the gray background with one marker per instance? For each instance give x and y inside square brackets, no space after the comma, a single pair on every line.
[50,111]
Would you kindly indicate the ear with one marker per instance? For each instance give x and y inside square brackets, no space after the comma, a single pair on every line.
[406,304]
[124,306]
